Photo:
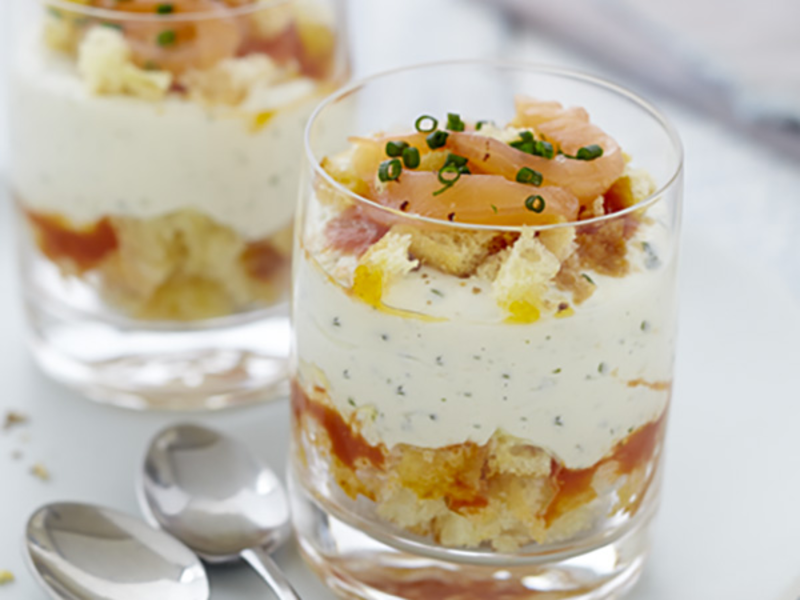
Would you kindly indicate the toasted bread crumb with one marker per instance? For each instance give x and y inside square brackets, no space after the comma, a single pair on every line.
[384,262]
[40,471]
[560,241]
[230,81]
[105,64]
[454,252]
[14,418]
[521,282]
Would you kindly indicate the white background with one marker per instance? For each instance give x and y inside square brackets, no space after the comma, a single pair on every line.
[729,525]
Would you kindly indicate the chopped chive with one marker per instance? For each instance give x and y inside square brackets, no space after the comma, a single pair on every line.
[420,122]
[116,26]
[164,9]
[587,278]
[454,122]
[535,203]
[529,176]
[479,125]
[589,152]
[437,292]
[526,143]
[544,149]
[395,149]
[390,170]
[448,181]
[460,162]
[494,208]
[437,139]
[167,38]
[411,157]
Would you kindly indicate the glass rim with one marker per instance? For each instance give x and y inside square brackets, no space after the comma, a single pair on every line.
[206,15]
[530,67]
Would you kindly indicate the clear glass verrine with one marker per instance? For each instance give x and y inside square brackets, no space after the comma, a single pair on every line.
[156,148]
[483,357]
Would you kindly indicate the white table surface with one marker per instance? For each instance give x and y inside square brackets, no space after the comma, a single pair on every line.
[728,526]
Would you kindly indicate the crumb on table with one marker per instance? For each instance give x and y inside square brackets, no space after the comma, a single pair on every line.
[6,577]
[14,418]
[40,471]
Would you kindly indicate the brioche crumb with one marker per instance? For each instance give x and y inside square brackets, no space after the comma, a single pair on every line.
[185,266]
[513,456]
[14,418]
[40,472]
[230,81]
[384,262]
[61,33]
[521,282]
[6,577]
[641,182]
[106,65]
[340,168]
[559,241]
[454,252]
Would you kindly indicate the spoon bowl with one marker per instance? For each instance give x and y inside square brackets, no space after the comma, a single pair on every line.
[84,552]
[214,495]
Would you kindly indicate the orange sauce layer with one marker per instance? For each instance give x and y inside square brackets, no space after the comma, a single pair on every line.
[85,246]
[347,445]
[262,261]
[462,480]
[575,485]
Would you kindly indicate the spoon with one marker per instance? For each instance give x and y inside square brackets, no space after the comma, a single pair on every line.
[214,495]
[83,552]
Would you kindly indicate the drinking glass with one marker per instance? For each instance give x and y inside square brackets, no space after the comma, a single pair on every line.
[479,409]
[156,148]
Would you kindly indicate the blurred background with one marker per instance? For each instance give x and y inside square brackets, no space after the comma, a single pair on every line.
[727,73]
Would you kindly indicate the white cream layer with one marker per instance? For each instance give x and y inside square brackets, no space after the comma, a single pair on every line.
[85,156]
[561,384]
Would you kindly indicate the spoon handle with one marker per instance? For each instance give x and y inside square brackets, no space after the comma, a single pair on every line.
[262,563]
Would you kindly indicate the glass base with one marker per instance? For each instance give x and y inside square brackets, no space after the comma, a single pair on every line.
[356,565]
[220,363]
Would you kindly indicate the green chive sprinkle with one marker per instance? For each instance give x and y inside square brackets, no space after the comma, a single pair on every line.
[411,158]
[454,122]
[494,208]
[529,176]
[116,26]
[166,38]
[448,176]
[395,149]
[420,122]
[460,162]
[589,152]
[437,139]
[164,9]
[544,149]
[535,203]
[390,170]
[479,125]
[526,143]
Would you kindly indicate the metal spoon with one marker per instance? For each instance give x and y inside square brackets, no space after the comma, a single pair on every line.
[83,552]
[215,496]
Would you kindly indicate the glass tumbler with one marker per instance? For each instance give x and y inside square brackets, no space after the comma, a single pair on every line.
[155,152]
[482,354]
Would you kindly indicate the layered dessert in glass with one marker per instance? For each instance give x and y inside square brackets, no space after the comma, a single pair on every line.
[155,157]
[484,320]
